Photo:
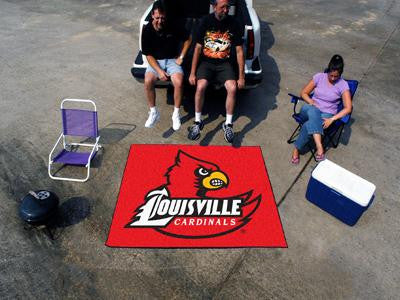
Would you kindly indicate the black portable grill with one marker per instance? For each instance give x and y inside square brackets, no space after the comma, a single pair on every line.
[38,207]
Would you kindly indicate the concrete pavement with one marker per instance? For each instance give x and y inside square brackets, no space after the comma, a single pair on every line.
[84,49]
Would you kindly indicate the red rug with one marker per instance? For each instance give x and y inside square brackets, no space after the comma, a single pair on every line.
[182,196]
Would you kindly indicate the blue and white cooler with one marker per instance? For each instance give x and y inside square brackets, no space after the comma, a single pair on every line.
[339,192]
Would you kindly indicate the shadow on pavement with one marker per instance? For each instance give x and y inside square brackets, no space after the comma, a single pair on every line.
[72,211]
[255,104]
[115,132]
[345,138]
[111,134]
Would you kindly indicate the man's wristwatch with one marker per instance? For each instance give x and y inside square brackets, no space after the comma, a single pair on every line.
[181,57]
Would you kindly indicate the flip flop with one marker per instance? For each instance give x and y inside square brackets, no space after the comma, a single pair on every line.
[295,160]
[320,157]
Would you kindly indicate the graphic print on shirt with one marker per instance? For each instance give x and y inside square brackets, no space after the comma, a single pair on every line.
[217,44]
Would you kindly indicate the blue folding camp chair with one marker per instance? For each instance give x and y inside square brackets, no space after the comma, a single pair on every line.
[333,133]
[77,123]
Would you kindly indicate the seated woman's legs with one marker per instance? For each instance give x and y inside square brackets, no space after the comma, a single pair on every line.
[313,126]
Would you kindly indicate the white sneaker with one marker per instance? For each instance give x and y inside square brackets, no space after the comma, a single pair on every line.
[176,121]
[152,119]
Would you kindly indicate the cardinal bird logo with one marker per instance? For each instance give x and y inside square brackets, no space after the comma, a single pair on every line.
[184,207]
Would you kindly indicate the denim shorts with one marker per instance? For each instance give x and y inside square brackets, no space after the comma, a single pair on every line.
[168,65]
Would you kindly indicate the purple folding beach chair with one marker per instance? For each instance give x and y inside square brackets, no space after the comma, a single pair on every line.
[76,123]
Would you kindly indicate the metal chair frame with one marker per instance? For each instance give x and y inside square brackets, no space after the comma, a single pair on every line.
[66,146]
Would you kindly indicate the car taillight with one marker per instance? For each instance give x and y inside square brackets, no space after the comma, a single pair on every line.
[250,44]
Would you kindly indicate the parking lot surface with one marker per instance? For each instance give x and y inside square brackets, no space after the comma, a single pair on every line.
[84,49]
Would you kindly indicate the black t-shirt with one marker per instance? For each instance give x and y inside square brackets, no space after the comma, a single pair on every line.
[218,38]
[163,44]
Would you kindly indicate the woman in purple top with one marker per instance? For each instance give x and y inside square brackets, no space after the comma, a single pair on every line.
[321,110]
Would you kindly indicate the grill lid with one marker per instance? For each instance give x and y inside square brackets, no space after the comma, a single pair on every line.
[38,206]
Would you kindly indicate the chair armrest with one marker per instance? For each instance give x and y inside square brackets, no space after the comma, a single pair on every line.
[345,119]
[95,147]
[52,150]
[295,99]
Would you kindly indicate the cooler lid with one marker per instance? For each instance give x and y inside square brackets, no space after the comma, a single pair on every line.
[344,182]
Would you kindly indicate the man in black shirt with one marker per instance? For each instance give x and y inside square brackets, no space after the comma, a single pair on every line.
[217,36]
[160,44]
